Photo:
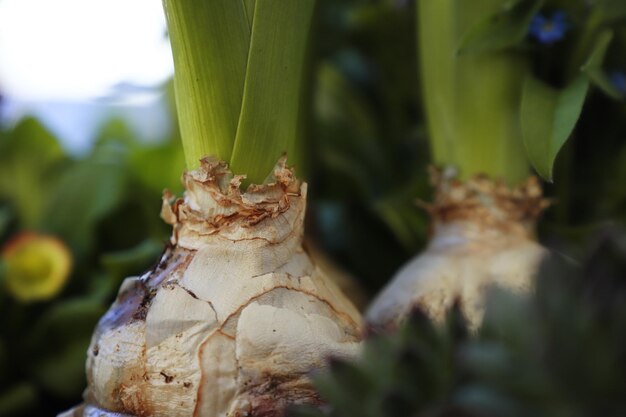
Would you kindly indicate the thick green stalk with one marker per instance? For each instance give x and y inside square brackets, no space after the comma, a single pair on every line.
[210,41]
[472,100]
[272,112]
[240,79]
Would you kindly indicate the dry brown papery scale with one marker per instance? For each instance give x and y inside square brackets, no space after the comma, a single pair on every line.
[491,203]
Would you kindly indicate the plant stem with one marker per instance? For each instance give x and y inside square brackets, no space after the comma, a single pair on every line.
[210,41]
[272,111]
[240,79]
[472,100]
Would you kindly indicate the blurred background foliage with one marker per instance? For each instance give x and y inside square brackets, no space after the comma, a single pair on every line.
[365,160]
[105,207]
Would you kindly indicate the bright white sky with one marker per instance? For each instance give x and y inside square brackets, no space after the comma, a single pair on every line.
[79,49]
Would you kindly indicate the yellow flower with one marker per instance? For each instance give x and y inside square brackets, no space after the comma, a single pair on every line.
[37,266]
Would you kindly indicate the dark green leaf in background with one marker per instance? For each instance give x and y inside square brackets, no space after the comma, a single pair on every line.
[127,262]
[65,331]
[17,400]
[121,264]
[62,373]
[84,194]
[593,67]
[613,10]
[6,215]
[3,351]
[116,135]
[66,320]
[548,117]
[28,155]
[159,167]
[505,29]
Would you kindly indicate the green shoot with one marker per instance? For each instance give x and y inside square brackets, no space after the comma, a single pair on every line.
[240,79]
[272,109]
[471,99]
[210,41]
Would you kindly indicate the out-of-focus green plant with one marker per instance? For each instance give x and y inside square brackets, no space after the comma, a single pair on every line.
[557,352]
[477,71]
[29,156]
[369,157]
[369,151]
[370,142]
[101,212]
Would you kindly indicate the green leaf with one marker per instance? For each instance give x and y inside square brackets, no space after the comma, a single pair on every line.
[3,271]
[399,213]
[84,194]
[502,30]
[28,156]
[65,321]
[593,67]
[272,109]
[17,399]
[63,373]
[613,9]
[6,215]
[159,167]
[131,261]
[210,42]
[470,100]
[60,340]
[240,79]
[345,112]
[250,4]
[548,117]
[3,351]
[121,264]
[116,131]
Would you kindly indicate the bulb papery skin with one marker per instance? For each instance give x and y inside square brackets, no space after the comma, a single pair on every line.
[233,318]
[482,236]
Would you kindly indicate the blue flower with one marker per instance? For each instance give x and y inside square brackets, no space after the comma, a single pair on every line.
[618,79]
[549,31]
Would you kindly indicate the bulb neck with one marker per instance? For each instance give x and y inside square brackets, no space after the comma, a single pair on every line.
[485,203]
[470,234]
[482,211]
[215,213]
